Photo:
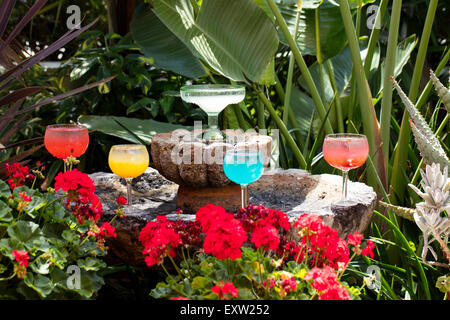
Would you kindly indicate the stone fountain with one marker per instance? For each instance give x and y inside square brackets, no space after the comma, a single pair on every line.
[196,165]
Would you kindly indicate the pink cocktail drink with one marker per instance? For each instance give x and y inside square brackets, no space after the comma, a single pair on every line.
[345,151]
[66,140]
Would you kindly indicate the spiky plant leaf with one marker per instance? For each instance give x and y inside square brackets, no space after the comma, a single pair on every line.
[430,150]
[406,213]
[415,115]
[427,143]
[442,91]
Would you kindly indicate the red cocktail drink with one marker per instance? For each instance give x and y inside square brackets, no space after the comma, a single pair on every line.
[345,151]
[64,140]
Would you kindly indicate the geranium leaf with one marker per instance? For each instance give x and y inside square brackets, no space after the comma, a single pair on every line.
[91,264]
[29,234]
[41,265]
[200,282]
[90,283]
[41,284]
[160,292]
[4,189]
[5,212]
[70,236]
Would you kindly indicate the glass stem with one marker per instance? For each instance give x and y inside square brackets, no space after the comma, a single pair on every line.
[128,180]
[244,198]
[213,120]
[344,184]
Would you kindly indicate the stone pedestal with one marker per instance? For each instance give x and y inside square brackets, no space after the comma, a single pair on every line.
[191,199]
[292,191]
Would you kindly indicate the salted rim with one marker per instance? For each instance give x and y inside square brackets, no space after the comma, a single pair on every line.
[72,126]
[345,136]
[129,146]
[207,88]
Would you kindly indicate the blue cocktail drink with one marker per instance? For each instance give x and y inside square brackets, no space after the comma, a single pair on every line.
[243,168]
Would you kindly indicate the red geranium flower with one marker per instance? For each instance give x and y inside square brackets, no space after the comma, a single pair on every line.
[368,250]
[253,215]
[22,257]
[335,293]
[121,200]
[223,289]
[81,200]
[323,278]
[179,298]
[209,214]
[288,285]
[24,196]
[18,174]
[354,239]
[107,230]
[159,240]
[326,283]
[188,231]
[225,238]
[267,237]
[323,243]
[310,221]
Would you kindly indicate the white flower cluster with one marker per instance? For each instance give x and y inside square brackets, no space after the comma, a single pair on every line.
[436,196]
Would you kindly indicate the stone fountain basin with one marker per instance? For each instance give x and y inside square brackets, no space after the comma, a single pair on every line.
[185,158]
[292,191]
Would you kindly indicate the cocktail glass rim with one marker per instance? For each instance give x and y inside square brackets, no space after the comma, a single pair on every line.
[345,135]
[240,153]
[220,88]
[127,146]
[66,125]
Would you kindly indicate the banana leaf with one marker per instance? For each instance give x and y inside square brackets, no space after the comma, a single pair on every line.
[134,130]
[158,42]
[234,38]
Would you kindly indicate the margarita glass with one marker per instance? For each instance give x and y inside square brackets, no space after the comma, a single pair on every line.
[65,140]
[243,168]
[345,151]
[128,161]
[213,98]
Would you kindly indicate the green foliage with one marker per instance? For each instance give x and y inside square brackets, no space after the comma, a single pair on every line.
[332,33]
[138,131]
[139,89]
[238,49]
[53,239]
[156,40]
[14,112]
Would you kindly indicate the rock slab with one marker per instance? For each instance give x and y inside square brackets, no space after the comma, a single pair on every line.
[292,191]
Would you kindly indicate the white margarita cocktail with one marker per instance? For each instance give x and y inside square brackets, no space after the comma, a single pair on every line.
[213,98]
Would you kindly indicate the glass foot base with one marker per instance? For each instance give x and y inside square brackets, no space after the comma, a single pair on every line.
[213,134]
[344,203]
